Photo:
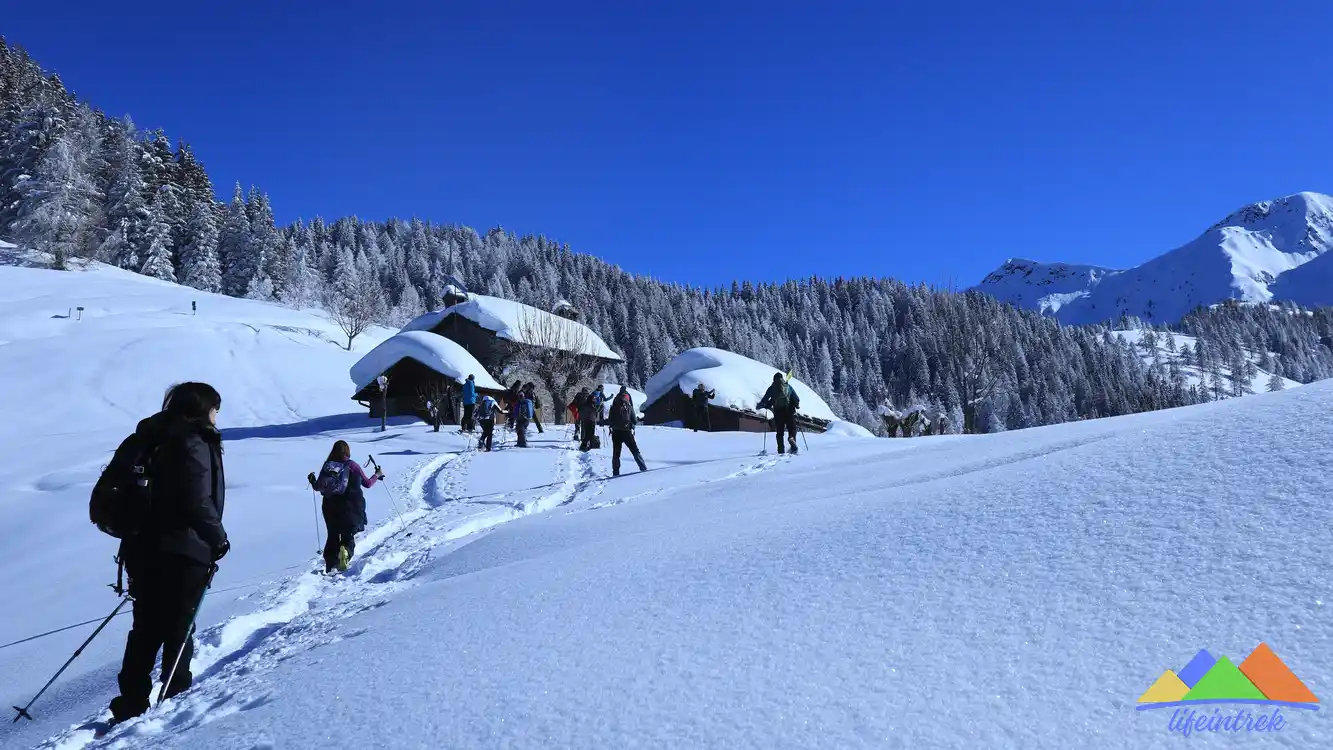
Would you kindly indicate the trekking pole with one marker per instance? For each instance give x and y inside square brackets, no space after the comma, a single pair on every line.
[402,522]
[804,440]
[315,504]
[23,712]
[162,694]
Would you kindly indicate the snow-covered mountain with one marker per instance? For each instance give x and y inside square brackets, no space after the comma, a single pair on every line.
[1269,251]
[1044,286]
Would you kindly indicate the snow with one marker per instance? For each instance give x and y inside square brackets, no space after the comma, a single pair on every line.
[844,428]
[507,318]
[436,352]
[740,382]
[1268,251]
[1020,589]
[1189,366]
[1046,287]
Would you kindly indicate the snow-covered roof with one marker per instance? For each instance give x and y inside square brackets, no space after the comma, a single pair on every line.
[436,352]
[506,318]
[740,382]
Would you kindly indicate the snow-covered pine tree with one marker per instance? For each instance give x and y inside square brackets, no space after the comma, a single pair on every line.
[125,212]
[60,207]
[240,262]
[265,241]
[157,261]
[200,267]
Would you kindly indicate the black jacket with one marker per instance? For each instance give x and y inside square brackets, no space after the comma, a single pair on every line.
[621,415]
[189,490]
[346,513]
[701,397]
[793,401]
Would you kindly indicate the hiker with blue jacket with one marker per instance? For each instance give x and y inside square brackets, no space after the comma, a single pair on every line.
[523,412]
[469,402]
[782,399]
[340,481]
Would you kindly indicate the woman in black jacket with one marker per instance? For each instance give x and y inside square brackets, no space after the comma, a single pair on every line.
[171,561]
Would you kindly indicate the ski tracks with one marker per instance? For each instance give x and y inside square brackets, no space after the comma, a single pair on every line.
[307,611]
[764,464]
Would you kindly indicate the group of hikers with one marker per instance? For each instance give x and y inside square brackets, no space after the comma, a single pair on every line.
[171,558]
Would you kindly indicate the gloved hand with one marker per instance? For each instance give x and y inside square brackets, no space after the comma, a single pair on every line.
[221,550]
[311,479]
[379,473]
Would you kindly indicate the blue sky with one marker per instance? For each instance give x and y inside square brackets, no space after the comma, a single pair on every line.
[701,142]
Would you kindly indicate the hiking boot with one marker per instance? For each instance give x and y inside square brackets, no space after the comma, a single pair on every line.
[343,559]
[795,450]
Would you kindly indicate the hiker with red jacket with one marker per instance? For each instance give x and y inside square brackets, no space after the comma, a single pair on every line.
[340,481]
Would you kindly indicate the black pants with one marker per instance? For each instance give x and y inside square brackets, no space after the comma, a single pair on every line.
[166,590]
[587,431]
[487,433]
[621,438]
[436,420]
[468,409]
[521,432]
[784,420]
[701,421]
[338,539]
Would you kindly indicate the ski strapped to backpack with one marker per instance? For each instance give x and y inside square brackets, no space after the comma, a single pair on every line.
[122,498]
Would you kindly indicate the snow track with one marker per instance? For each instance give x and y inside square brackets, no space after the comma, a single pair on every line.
[306,612]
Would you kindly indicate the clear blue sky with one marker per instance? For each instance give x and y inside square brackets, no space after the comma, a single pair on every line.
[700,142]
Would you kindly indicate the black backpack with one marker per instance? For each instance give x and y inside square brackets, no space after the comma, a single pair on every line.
[122,499]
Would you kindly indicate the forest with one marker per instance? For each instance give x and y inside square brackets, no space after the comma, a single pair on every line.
[78,184]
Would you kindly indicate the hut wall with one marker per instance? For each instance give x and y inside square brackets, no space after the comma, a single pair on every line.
[677,407]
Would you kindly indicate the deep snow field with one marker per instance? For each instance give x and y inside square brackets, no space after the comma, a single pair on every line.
[1013,590]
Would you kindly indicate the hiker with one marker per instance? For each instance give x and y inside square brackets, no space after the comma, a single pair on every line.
[469,402]
[523,414]
[433,412]
[700,397]
[486,409]
[782,399]
[576,412]
[340,482]
[171,561]
[621,419]
[590,411]
[597,400]
[512,396]
[531,390]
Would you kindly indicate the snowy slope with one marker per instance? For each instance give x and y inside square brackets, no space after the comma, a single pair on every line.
[74,388]
[726,599]
[1012,590]
[1257,254]
[1043,286]
[1188,366]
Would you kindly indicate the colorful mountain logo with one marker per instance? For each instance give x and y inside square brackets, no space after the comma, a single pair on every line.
[1262,678]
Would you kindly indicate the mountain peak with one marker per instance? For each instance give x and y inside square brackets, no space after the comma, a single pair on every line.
[1259,253]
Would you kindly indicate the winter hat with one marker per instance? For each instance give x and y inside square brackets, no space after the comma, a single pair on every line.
[777,377]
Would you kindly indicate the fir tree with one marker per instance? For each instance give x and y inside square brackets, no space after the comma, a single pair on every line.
[200,267]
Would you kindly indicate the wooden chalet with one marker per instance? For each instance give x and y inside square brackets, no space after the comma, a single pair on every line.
[676,406]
